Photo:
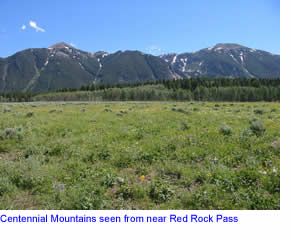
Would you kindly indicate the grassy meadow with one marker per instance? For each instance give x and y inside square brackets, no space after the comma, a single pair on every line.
[130,155]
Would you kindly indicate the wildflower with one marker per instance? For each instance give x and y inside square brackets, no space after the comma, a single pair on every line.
[275,144]
[59,187]
[142,177]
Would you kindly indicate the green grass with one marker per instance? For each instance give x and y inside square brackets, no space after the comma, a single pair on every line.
[139,156]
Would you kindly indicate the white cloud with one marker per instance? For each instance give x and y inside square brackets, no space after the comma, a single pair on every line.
[23,27]
[155,50]
[34,25]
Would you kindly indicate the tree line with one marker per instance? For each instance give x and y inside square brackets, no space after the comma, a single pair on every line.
[187,83]
[199,89]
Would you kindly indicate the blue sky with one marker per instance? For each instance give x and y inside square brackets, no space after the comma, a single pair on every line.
[152,26]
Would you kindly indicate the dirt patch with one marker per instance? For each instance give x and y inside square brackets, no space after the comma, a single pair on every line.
[10,156]
[25,201]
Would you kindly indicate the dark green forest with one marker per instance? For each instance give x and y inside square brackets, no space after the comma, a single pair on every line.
[198,89]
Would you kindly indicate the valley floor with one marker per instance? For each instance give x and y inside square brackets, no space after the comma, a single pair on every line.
[129,155]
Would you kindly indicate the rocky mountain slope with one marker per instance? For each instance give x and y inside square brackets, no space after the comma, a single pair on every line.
[63,66]
[225,60]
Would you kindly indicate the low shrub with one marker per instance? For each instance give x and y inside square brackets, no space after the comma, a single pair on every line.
[11,133]
[246,132]
[258,111]
[81,197]
[160,192]
[5,186]
[226,130]
[184,125]
[181,110]
[29,114]
[29,175]
[257,127]
[109,179]
[148,157]
[125,192]
[121,113]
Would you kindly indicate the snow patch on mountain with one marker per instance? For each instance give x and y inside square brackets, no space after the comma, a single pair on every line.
[246,70]
[234,58]
[184,63]
[218,49]
[81,66]
[174,59]
[242,59]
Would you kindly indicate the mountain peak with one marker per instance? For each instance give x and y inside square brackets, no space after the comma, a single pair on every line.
[228,46]
[61,45]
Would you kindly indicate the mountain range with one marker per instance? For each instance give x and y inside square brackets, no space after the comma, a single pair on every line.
[63,66]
